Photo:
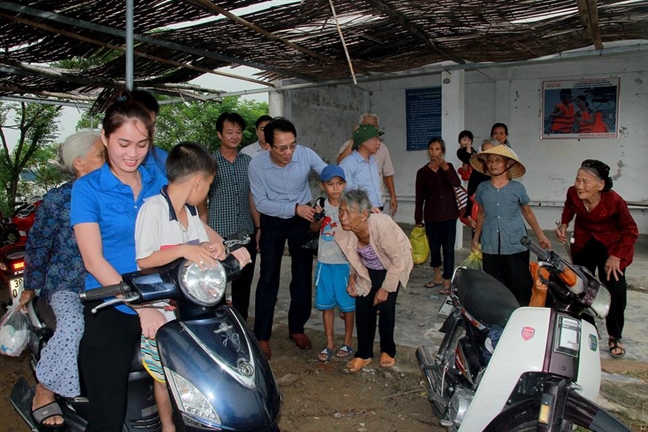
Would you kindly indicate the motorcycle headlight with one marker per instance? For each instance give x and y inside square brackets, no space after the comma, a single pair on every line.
[190,400]
[203,287]
[600,306]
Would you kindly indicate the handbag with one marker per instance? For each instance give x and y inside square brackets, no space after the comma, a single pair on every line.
[462,199]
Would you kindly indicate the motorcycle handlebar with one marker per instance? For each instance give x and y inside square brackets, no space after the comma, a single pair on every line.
[103,292]
[543,255]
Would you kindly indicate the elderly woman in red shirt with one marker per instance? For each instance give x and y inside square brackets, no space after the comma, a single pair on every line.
[604,237]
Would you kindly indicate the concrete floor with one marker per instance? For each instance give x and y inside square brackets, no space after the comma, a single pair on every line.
[417,320]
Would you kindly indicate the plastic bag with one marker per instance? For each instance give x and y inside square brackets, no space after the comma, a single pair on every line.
[420,246]
[474,260]
[14,331]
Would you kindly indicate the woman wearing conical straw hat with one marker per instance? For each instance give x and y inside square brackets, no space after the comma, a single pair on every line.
[503,207]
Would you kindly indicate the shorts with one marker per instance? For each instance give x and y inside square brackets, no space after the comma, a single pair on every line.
[331,282]
[150,354]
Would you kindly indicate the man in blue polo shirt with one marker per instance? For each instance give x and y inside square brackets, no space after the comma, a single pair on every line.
[279,184]
[360,166]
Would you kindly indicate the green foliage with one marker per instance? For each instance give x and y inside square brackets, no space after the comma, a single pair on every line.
[34,127]
[196,121]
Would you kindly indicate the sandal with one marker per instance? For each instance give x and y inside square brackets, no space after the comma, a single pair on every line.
[357,363]
[386,360]
[444,291]
[615,348]
[44,412]
[325,355]
[432,283]
[344,351]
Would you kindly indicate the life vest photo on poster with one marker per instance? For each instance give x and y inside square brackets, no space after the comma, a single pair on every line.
[587,108]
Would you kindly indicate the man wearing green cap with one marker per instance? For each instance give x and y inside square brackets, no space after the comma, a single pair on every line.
[383,160]
[360,168]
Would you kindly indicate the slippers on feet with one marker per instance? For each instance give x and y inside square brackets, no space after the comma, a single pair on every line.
[325,355]
[433,283]
[357,364]
[386,360]
[615,348]
[444,291]
[344,351]
[44,412]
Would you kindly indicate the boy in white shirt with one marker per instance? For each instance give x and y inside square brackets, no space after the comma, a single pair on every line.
[168,227]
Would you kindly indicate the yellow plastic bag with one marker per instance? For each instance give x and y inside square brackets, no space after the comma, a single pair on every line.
[474,260]
[420,246]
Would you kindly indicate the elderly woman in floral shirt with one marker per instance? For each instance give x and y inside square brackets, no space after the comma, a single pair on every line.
[53,265]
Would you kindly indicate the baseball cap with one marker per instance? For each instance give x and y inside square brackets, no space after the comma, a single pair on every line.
[331,171]
[364,133]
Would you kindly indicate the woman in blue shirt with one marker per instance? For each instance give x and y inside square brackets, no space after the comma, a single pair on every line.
[503,203]
[54,266]
[104,209]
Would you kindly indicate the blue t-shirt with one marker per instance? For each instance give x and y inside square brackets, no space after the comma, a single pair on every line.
[503,221]
[155,161]
[99,197]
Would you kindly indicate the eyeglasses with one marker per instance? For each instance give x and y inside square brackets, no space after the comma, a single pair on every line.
[285,149]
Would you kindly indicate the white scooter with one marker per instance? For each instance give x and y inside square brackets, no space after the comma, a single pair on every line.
[501,367]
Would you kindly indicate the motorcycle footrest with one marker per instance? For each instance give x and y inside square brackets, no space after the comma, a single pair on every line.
[426,357]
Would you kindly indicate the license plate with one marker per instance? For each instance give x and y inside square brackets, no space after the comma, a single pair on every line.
[447,307]
[16,287]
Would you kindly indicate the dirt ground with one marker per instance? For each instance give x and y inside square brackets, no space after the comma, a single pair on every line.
[317,396]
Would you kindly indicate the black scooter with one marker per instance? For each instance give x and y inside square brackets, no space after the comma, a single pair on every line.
[216,374]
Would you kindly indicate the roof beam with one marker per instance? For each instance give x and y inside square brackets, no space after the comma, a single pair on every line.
[415,30]
[51,16]
[211,7]
[17,68]
[76,36]
[588,11]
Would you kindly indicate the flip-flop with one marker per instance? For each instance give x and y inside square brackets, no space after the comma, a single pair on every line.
[613,345]
[44,412]
[344,351]
[386,360]
[432,284]
[325,355]
[444,291]
[357,364]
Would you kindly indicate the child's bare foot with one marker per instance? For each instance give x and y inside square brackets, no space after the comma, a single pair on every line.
[42,398]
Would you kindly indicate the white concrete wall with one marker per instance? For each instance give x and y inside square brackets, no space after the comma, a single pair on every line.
[512,95]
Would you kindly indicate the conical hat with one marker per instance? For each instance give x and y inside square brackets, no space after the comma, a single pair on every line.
[478,161]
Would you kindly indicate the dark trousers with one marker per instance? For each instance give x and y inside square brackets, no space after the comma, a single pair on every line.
[366,314]
[107,348]
[274,233]
[513,271]
[441,235]
[241,286]
[593,256]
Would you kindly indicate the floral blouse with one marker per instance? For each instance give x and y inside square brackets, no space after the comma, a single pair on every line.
[52,260]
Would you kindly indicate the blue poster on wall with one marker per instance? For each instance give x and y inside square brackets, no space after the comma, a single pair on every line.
[423,114]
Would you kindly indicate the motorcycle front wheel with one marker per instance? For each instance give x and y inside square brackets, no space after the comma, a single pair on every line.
[579,411]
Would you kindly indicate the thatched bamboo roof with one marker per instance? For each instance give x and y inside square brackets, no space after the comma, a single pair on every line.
[298,40]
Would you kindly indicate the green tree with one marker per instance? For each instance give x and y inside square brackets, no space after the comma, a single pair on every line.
[36,126]
[196,121]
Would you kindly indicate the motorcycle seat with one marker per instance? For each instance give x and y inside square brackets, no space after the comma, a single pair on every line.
[485,298]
